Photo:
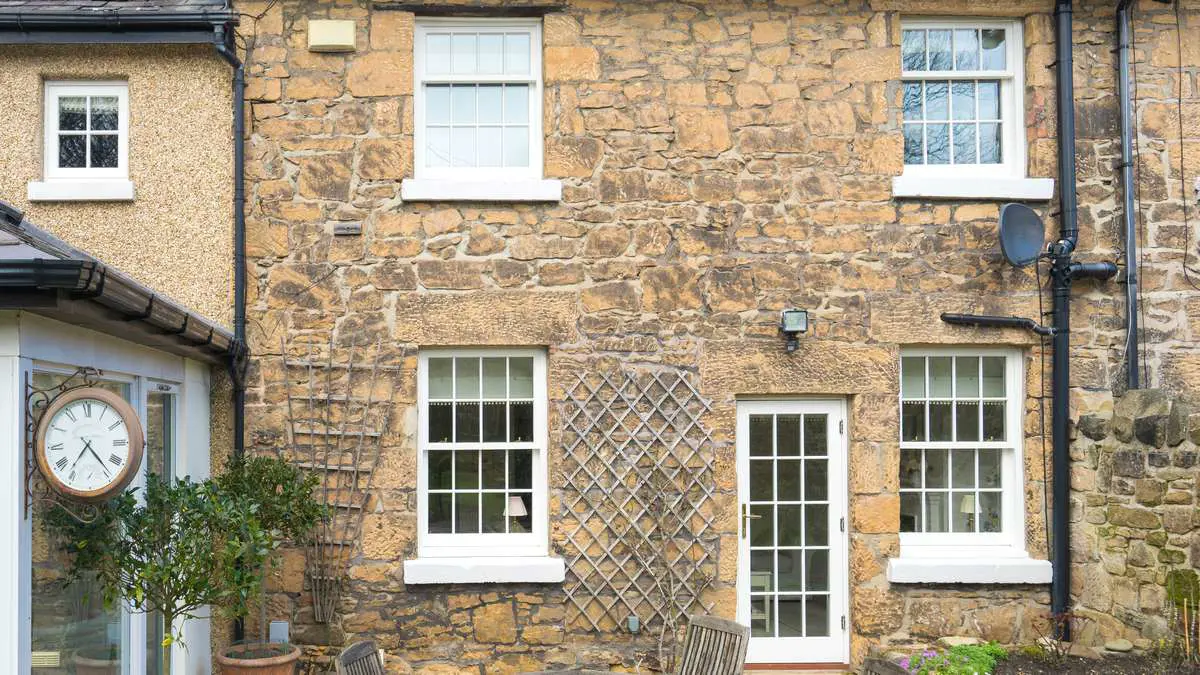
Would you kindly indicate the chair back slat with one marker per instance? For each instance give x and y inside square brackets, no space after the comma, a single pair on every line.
[360,658]
[713,646]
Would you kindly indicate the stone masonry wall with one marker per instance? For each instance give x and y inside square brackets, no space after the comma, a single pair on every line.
[721,161]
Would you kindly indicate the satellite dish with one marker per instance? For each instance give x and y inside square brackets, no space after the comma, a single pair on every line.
[1022,234]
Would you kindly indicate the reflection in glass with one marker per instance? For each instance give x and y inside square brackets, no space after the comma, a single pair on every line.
[940,368]
[937,143]
[491,54]
[516,104]
[910,469]
[989,468]
[440,469]
[964,143]
[439,513]
[104,113]
[516,54]
[989,100]
[72,152]
[760,616]
[466,513]
[914,144]
[72,113]
[494,504]
[937,100]
[495,378]
[912,377]
[104,151]
[989,512]
[990,144]
[937,468]
[963,469]
[491,109]
[966,49]
[912,49]
[437,111]
[516,146]
[910,512]
[939,50]
[520,373]
[437,52]
[993,49]
[462,54]
[441,378]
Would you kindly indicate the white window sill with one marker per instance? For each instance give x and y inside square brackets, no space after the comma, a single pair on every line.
[978,570]
[973,187]
[447,190]
[541,569]
[80,190]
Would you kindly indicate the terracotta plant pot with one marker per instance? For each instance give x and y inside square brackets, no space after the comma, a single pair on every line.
[96,662]
[245,659]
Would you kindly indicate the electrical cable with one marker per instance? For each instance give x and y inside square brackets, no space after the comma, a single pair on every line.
[1139,212]
[1037,267]
[1187,236]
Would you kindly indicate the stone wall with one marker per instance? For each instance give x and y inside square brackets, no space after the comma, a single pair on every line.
[1134,477]
[721,161]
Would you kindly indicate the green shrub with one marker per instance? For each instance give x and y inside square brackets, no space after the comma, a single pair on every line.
[958,660]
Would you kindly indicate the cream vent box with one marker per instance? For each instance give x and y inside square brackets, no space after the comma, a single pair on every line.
[325,35]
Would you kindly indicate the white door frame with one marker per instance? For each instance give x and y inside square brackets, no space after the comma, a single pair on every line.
[835,648]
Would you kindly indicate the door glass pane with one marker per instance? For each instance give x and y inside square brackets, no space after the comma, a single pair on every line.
[816,480]
[816,570]
[790,525]
[787,435]
[762,528]
[789,480]
[761,624]
[817,615]
[762,480]
[761,436]
[762,570]
[791,571]
[816,435]
[791,616]
[816,525]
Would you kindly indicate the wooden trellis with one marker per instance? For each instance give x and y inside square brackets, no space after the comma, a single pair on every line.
[637,498]
[338,413]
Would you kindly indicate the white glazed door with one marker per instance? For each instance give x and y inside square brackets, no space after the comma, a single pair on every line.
[792,571]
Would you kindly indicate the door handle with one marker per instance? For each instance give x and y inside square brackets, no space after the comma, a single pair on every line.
[746,517]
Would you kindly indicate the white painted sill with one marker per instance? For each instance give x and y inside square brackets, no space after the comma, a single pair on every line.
[979,570]
[80,190]
[446,190]
[972,187]
[495,570]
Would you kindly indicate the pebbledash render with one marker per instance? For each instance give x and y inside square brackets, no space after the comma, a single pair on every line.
[521,208]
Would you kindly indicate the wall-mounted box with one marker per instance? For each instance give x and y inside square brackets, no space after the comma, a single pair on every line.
[325,35]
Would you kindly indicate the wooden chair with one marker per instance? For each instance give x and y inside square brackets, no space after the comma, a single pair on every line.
[713,647]
[360,658]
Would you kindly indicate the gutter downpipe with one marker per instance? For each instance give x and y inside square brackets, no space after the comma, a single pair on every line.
[223,43]
[1124,47]
[1060,273]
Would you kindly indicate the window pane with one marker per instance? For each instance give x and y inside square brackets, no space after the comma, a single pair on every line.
[440,475]
[466,378]
[495,377]
[910,469]
[816,441]
[993,377]
[937,508]
[440,378]
[490,103]
[762,528]
[462,54]
[816,525]
[520,373]
[462,147]
[762,480]
[963,469]
[789,524]
[495,422]
[516,104]
[964,143]
[939,376]
[913,49]
[962,100]
[939,50]
[993,421]
[516,504]
[910,512]
[520,469]
[439,513]
[493,469]
[912,422]
[816,480]
[791,616]
[914,144]
[441,421]
[937,139]
[966,377]
[489,146]
[466,469]
[516,53]
[990,143]
[989,468]
[967,419]
[787,435]
[912,101]
[791,571]
[816,615]
[462,104]
[912,376]
[494,506]
[762,570]
[72,113]
[963,504]
[72,152]
[789,481]
[989,512]
[466,513]
[816,570]
[937,468]
[760,614]
[104,113]
[966,49]
[437,147]
[993,49]
[516,146]
[762,442]
[491,53]
[520,422]
[937,100]
[104,151]
[437,54]
[466,422]
[939,421]
[437,104]
[989,100]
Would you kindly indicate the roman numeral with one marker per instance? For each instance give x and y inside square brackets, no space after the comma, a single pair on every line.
[61,463]
[72,476]
[103,409]
[87,408]
[120,442]
[68,413]
[114,425]
[58,429]
[115,459]
[56,447]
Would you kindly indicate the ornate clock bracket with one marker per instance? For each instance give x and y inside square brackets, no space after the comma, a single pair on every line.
[37,399]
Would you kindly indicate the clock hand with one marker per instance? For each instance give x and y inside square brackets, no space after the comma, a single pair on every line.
[102,467]
[87,445]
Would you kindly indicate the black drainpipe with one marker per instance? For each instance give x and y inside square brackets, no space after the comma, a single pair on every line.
[1124,47]
[223,42]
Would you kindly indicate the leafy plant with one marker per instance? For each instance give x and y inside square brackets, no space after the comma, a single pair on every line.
[958,660]
[1055,650]
[1182,645]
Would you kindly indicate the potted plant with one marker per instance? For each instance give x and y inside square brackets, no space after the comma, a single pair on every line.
[102,660]
[281,496]
[197,544]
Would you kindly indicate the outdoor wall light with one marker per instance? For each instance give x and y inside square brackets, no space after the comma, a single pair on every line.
[792,323]
[633,623]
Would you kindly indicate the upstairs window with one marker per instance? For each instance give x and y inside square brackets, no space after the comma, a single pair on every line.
[85,152]
[478,99]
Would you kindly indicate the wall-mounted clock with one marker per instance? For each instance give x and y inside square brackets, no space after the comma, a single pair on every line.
[89,444]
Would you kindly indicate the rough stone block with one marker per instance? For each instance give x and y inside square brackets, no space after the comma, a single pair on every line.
[1151,430]
[1129,462]
[1095,427]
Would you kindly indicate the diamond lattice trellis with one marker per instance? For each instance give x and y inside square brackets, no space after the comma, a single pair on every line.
[637,498]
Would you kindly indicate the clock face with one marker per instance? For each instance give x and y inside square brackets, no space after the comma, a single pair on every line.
[89,443]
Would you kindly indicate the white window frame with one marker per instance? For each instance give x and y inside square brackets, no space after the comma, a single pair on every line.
[525,544]
[82,184]
[473,183]
[1005,180]
[978,557]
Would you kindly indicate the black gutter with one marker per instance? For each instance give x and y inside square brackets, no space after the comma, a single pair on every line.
[986,321]
[113,20]
[1132,347]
